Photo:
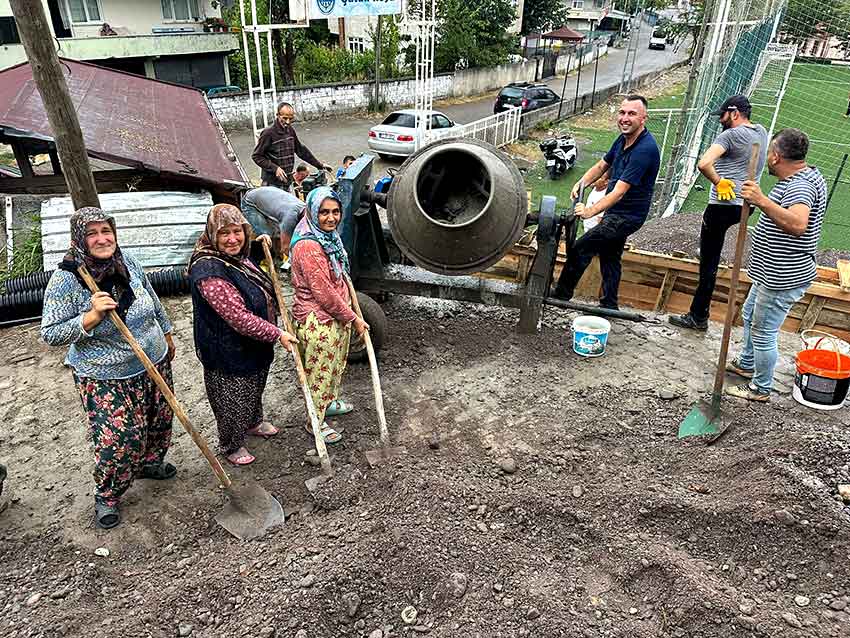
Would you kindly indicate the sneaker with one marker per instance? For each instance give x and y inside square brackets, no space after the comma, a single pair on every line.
[734,366]
[688,321]
[746,391]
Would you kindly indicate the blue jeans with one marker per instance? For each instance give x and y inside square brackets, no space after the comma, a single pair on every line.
[261,224]
[764,312]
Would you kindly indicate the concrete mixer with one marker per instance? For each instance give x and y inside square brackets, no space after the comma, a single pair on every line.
[454,208]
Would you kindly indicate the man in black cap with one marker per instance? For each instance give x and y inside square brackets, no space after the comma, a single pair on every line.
[725,165]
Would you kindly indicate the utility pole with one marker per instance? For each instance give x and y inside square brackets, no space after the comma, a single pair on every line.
[580,57]
[378,63]
[342,34]
[47,73]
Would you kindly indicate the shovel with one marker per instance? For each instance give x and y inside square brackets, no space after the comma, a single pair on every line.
[321,448]
[250,510]
[706,417]
[386,452]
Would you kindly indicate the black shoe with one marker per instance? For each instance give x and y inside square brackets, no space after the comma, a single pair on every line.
[106,516]
[609,306]
[160,472]
[687,321]
[562,295]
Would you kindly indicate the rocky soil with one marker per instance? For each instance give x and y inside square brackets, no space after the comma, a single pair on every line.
[542,495]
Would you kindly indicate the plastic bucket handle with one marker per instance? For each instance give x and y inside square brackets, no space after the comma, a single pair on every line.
[837,354]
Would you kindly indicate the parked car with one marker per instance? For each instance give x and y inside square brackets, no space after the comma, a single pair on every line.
[396,135]
[218,91]
[525,95]
[658,39]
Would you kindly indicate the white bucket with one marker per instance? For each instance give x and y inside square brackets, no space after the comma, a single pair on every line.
[590,335]
[813,339]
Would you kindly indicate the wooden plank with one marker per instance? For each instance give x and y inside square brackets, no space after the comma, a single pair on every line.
[812,313]
[844,273]
[666,289]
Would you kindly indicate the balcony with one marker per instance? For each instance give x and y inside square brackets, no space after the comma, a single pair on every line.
[143,46]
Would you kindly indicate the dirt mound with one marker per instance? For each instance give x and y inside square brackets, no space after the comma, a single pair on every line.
[542,495]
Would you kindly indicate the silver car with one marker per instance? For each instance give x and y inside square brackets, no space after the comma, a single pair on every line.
[396,135]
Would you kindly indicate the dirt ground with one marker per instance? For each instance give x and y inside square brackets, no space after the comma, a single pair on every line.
[543,495]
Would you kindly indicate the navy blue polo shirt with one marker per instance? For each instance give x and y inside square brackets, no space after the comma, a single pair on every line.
[637,166]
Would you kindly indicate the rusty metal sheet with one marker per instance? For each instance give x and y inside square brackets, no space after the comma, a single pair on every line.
[128,120]
[157,228]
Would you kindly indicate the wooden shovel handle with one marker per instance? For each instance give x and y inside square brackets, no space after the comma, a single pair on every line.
[733,283]
[154,374]
[321,448]
[373,368]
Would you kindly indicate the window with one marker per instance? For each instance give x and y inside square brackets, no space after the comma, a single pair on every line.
[356,45]
[406,120]
[441,121]
[578,4]
[9,31]
[84,11]
[180,10]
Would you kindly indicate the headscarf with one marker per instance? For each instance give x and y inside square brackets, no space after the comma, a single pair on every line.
[206,247]
[111,274]
[331,242]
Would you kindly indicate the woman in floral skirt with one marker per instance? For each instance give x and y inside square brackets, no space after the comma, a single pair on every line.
[322,308]
[129,419]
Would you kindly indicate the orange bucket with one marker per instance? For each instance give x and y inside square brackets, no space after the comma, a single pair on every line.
[822,379]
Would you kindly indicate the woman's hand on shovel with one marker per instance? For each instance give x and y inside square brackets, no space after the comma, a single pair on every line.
[360,326]
[287,340]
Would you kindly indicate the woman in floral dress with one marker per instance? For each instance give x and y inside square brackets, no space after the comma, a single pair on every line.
[129,419]
[322,308]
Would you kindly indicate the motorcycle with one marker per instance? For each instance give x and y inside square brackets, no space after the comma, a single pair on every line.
[560,154]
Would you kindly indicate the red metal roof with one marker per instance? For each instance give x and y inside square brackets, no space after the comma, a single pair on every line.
[128,120]
[564,33]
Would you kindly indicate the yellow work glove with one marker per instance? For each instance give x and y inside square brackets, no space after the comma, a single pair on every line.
[725,190]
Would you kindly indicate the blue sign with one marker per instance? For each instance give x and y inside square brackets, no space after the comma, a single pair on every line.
[347,8]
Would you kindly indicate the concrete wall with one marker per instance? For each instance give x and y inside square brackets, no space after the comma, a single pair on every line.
[138,17]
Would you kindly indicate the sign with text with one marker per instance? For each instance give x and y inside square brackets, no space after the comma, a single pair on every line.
[319,9]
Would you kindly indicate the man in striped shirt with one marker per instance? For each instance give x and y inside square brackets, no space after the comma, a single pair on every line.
[782,259]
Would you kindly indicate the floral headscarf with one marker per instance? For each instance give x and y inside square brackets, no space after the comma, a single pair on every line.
[331,242]
[100,269]
[206,247]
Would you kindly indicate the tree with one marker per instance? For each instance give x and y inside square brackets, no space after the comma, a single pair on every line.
[541,16]
[689,24]
[472,34]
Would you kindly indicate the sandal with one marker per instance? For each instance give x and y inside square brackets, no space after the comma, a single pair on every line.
[160,472]
[329,435]
[106,516]
[244,459]
[264,430]
[337,408]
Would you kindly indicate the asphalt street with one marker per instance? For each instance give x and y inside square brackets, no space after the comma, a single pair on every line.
[331,139]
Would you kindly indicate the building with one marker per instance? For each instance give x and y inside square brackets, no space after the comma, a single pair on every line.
[162,39]
[586,16]
[357,31]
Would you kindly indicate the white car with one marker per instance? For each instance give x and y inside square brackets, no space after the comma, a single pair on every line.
[396,135]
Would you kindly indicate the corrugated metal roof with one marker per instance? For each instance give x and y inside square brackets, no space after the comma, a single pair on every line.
[129,120]
[564,33]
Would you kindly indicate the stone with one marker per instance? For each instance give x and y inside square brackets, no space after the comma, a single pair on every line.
[792,620]
[352,603]
[482,527]
[801,601]
[409,614]
[102,552]
[377,634]
[578,491]
[748,622]
[184,630]
[308,581]
[508,465]
[301,633]
[844,492]
[267,632]
[667,395]
[33,600]
[508,602]
[838,604]
[532,614]
[785,517]
[458,583]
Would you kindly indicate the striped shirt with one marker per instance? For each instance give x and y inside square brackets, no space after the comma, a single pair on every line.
[779,260]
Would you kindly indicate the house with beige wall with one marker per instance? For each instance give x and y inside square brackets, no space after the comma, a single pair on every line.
[163,39]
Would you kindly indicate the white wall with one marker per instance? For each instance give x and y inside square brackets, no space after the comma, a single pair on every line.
[137,17]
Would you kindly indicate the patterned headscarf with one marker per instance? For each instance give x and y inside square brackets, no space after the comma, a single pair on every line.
[78,253]
[206,247]
[331,242]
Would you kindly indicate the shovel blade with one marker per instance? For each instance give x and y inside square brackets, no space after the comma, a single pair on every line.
[250,511]
[703,419]
[384,454]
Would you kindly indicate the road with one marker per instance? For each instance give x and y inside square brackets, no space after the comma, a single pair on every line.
[331,139]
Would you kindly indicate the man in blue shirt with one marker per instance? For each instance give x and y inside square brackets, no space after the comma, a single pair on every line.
[632,164]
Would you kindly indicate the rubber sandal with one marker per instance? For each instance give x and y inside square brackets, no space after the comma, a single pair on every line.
[245,460]
[106,516]
[337,408]
[160,472]
[330,435]
[258,432]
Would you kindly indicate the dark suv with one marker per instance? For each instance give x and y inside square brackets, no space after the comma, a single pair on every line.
[525,95]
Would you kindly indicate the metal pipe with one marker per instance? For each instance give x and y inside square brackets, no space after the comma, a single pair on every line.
[595,310]
[580,57]
[595,71]
[835,183]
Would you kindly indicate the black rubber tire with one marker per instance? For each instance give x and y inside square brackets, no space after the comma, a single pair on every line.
[553,172]
[377,320]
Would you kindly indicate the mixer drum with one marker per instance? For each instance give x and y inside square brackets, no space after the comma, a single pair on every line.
[457,206]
